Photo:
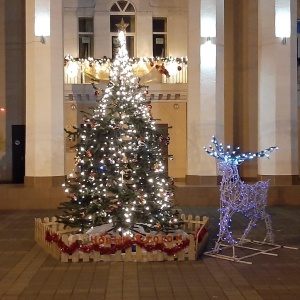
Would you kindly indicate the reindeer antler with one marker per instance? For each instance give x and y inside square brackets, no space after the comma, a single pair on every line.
[219,152]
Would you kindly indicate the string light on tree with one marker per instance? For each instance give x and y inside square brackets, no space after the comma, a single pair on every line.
[120,177]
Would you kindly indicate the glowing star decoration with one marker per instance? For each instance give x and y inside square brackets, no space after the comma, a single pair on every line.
[122,25]
[238,197]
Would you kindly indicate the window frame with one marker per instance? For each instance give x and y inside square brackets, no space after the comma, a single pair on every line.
[128,34]
[163,33]
[89,34]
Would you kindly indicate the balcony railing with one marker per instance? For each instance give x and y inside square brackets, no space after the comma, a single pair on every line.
[166,71]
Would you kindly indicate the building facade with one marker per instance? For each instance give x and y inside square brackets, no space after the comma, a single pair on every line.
[214,67]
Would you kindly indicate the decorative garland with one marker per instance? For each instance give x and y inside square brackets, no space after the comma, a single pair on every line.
[152,60]
[91,64]
[54,238]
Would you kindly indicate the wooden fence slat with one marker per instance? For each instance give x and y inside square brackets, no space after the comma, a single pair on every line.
[96,256]
[191,226]
[170,243]
[191,248]
[84,239]
[118,256]
[183,218]
[138,253]
[85,257]
[197,223]
[128,254]
[64,257]
[181,255]
[160,254]
[106,257]
[150,256]
[75,254]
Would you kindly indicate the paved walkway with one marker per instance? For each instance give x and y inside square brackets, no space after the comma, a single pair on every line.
[27,272]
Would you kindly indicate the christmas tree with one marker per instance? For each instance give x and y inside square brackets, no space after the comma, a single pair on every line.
[120,178]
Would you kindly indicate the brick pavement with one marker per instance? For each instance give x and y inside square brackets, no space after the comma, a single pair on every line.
[27,272]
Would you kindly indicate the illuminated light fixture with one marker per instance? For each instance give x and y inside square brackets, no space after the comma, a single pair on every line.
[172,68]
[208,55]
[282,20]
[208,31]
[42,19]
[72,69]
[208,18]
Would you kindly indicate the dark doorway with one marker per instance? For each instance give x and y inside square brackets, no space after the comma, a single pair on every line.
[18,153]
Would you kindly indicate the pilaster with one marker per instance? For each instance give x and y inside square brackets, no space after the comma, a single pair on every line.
[205,87]
[278,90]
[45,149]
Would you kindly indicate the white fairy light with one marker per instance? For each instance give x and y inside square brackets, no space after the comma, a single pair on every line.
[236,196]
[124,146]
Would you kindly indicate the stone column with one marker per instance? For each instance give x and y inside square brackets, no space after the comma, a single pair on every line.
[205,87]
[70,22]
[278,91]
[102,38]
[143,34]
[45,148]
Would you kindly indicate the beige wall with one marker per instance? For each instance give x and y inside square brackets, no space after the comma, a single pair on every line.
[177,18]
[174,114]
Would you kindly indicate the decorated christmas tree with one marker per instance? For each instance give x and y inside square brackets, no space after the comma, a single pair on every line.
[120,177]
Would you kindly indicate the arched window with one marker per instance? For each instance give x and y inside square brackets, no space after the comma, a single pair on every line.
[122,9]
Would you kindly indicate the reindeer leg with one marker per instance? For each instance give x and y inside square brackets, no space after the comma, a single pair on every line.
[270,235]
[224,234]
[220,235]
[247,230]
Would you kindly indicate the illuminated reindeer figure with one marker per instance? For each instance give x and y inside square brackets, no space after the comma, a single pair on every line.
[236,196]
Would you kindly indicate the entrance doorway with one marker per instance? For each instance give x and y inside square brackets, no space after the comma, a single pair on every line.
[18,153]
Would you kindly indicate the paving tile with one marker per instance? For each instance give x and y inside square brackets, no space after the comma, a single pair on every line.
[132,294]
[27,272]
[232,292]
[148,292]
[214,291]
[95,297]
[10,298]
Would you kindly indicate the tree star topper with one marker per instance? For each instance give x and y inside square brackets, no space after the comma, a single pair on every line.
[122,25]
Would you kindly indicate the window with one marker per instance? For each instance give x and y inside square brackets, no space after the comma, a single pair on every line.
[86,37]
[159,28]
[125,10]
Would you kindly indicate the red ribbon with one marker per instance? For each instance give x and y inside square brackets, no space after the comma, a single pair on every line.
[54,238]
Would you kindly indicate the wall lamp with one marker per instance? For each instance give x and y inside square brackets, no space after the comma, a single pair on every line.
[283,20]
[208,55]
[42,19]
[208,23]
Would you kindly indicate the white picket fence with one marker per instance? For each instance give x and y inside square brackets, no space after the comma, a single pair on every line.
[194,227]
